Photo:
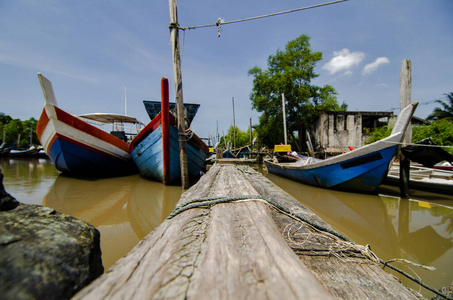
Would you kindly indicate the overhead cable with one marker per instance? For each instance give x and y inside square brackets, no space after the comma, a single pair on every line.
[221,22]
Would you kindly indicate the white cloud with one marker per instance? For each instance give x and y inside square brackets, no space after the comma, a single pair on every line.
[343,60]
[370,68]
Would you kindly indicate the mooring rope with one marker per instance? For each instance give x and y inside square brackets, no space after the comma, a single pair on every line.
[418,145]
[211,201]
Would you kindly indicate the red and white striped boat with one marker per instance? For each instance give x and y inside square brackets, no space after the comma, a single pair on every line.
[79,148]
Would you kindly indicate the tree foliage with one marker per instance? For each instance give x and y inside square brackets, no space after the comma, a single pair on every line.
[440,132]
[445,112]
[290,71]
[242,137]
[12,129]
[378,134]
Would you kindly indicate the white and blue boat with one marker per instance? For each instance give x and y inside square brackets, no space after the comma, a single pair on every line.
[80,149]
[155,149]
[361,170]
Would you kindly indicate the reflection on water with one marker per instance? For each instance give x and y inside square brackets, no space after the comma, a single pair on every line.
[28,179]
[123,209]
[419,230]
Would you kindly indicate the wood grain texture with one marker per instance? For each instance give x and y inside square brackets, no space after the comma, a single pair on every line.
[235,251]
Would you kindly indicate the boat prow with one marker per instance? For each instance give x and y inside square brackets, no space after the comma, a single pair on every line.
[155,149]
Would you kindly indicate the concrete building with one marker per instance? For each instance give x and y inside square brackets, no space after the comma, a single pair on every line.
[335,131]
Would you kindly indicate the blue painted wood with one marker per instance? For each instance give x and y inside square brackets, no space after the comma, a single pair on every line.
[148,156]
[77,160]
[364,173]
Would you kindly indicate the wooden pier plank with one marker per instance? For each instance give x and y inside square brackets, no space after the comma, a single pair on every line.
[345,278]
[236,250]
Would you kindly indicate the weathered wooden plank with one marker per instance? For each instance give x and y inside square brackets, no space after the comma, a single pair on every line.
[230,251]
[237,250]
[350,276]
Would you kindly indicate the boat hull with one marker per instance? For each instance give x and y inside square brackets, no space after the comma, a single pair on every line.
[78,148]
[423,179]
[149,157]
[361,170]
[155,150]
[363,174]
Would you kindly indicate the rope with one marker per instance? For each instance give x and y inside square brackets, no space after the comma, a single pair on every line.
[221,22]
[418,145]
[186,136]
[209,202]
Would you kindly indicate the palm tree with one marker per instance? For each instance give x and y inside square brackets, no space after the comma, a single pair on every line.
[445,112]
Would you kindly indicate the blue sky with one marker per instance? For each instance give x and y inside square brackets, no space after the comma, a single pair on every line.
[92,50]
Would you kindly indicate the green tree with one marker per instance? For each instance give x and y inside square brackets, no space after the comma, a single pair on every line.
[445,112]
[5,119]
[290,71]
[378,134]
[440,132]
[242,137]
[16,129]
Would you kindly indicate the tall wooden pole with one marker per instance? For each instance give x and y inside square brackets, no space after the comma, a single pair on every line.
[234,128]
[406,93]
[165,113]
[251,146]
[284,119]
[174,35]
[405,100]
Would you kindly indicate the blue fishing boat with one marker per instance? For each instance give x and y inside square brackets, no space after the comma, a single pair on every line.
[361,170]
[155,149]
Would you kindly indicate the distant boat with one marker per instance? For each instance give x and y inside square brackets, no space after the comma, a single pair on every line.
[33,151]
[4,151]
[155,150]
[79,148]
[424,179]
[361,170]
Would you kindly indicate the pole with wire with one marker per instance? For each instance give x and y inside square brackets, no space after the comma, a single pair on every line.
[174,35]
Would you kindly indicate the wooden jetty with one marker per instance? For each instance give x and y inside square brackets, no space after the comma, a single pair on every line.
[226,241]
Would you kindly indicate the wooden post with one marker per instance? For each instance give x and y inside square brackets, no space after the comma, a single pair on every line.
[165,111]
[405,93]
[405,100]
[284,118]
[251,137]
[174,35]
[404,176]
[309,144]
[234,128]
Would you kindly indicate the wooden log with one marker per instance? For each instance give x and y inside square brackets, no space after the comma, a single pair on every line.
[236,250]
